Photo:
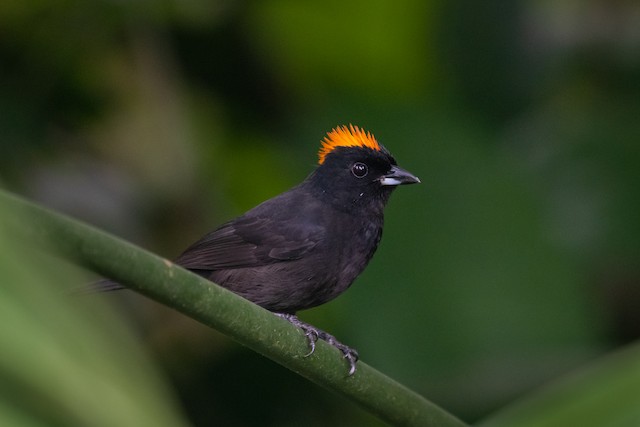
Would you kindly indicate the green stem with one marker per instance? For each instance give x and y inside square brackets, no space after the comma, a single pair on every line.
[212,305]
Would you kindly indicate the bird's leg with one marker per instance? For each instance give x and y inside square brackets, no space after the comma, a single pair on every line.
[313,334]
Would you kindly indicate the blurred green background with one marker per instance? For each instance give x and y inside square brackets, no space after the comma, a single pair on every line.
[516,260]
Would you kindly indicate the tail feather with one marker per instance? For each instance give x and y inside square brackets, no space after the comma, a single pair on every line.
[103,285]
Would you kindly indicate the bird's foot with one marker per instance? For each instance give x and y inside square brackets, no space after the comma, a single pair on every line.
[313,334]
[310,332]
[348,353]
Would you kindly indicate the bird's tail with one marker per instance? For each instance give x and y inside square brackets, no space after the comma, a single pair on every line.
[103,285]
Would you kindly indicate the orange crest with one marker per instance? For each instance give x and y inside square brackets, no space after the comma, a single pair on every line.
[343,136]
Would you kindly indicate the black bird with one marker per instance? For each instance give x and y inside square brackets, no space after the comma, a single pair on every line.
[307,245]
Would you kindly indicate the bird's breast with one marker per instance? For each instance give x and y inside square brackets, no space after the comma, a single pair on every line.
[353,245]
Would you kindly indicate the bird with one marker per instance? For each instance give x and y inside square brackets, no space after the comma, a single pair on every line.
[305,246]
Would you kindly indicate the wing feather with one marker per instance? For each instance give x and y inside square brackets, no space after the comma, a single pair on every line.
[250,242]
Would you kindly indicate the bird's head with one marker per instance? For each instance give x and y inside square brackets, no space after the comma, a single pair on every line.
[354,170]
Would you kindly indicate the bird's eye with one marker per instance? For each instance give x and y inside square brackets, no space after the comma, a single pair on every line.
[359,170]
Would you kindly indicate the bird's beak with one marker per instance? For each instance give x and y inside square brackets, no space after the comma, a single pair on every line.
[398,176]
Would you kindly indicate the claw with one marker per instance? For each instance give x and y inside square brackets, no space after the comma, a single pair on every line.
[348,353]
[313,334]
[309,331]
[352,363]
[312,338]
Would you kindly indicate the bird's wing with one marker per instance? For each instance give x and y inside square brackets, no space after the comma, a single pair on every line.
[250,242]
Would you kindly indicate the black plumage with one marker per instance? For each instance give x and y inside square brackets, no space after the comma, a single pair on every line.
[307,245]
